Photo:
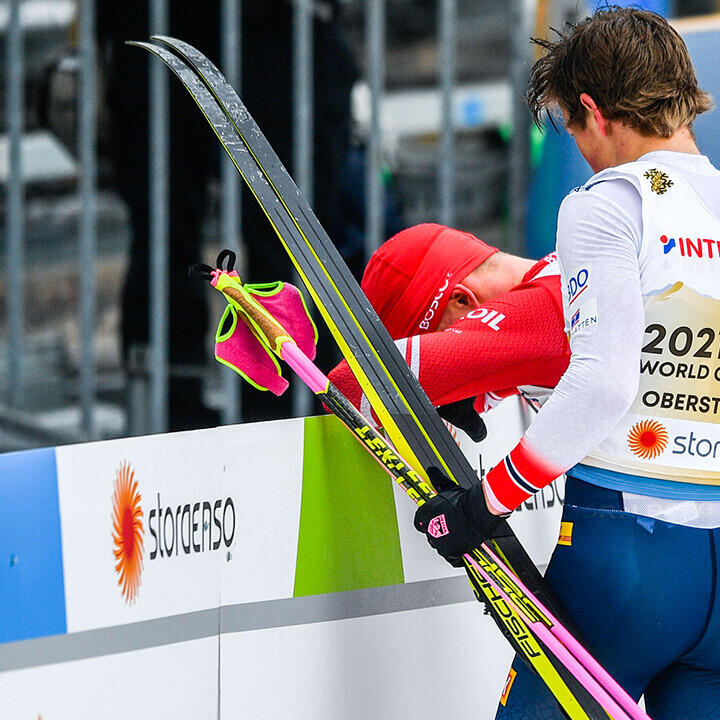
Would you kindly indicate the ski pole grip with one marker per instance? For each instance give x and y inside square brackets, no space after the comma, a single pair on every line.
[271,329]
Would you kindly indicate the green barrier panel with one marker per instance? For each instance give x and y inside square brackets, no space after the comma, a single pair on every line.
[345,492]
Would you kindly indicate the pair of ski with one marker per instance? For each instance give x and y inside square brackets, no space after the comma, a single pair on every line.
[524,610]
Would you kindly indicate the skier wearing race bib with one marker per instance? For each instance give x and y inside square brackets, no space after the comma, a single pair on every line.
[635,419]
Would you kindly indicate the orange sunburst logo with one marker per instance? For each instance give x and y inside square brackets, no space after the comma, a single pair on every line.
[127,532]
[647,439]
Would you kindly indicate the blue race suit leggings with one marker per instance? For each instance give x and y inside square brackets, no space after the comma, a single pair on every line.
[643,594]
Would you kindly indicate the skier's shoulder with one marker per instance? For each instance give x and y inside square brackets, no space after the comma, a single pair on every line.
[608,205]
[533,301]
[541,279]
[546,266]
[606,191]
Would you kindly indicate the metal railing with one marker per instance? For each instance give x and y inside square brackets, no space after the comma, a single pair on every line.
[159,224]
[87,129]
[230,210]
[231,207]
[15,204]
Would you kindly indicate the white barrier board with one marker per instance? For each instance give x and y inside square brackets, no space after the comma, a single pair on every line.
[242,570]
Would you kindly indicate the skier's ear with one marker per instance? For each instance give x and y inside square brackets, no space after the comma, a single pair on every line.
[461,302]
[464,298]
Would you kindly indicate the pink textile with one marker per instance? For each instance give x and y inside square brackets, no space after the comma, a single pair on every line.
[288,308]
[240,349]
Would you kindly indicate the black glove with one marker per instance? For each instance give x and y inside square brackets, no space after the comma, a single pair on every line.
[456,520]
[462,414]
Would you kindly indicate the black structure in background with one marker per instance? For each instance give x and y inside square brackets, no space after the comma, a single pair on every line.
[266,50]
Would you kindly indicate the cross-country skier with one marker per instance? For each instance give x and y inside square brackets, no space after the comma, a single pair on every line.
[635,419]
[443,293]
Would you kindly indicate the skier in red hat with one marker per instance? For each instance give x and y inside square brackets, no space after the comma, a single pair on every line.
[475,324]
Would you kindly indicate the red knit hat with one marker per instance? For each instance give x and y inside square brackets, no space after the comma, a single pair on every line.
[410,278]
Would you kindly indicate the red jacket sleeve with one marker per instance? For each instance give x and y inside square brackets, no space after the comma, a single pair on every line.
[516,339]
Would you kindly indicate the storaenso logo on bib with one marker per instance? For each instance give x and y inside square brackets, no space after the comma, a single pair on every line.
[692,444]
[430,314]
[647,439]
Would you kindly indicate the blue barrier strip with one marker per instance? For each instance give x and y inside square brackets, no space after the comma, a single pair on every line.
[32,588]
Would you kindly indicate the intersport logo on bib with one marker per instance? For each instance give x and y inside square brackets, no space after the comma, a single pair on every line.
[700,248]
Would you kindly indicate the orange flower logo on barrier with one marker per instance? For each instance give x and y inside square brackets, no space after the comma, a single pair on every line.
[127,532]
[647,439]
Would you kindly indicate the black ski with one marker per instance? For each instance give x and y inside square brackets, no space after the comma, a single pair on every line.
[407,415]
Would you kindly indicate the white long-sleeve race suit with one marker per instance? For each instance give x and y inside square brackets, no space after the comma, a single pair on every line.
[638,409]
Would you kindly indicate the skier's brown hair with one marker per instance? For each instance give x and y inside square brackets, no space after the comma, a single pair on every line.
[632,63]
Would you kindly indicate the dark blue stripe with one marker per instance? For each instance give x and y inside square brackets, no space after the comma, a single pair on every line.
[518,477]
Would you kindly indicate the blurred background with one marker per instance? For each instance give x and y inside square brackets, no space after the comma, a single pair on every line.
[386,112]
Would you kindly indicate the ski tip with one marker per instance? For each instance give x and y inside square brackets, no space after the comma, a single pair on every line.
[179,46]
[166,39]
[140,44]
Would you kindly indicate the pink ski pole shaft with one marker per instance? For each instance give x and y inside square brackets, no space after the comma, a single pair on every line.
[577,649]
